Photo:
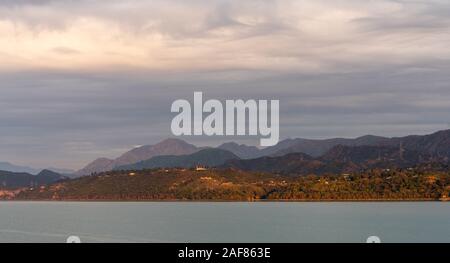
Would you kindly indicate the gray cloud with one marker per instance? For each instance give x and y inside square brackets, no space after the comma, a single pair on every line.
[72,118]
[376,67]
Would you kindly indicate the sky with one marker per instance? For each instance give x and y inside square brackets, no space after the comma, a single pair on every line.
[94,78]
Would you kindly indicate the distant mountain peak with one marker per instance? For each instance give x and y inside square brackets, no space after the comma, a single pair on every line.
[170,146]
[6,166]
[98,165]
[370,137]
[232,144]
[241,150]
[50,175]
[172,141]
[46,171]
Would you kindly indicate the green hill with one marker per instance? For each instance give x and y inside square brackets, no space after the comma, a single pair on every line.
[231,184]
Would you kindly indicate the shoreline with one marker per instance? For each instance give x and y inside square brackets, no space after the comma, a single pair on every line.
[235,201]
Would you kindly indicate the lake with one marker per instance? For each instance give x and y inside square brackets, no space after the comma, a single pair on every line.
[224,222]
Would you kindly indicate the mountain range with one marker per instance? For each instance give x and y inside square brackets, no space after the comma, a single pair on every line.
[208,157]
[166,147]
[339,159]
[241,150]
[293,157]
[436,145]
[6,166]
[177,147]
[12,180]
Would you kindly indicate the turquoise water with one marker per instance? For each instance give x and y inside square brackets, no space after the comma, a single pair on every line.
[224,222]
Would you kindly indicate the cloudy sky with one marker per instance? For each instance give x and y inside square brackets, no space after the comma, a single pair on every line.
[84,79]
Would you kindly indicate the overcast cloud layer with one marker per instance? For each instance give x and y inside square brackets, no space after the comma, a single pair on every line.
[85,79]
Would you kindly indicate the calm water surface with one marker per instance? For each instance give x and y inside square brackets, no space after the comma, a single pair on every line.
[224,222]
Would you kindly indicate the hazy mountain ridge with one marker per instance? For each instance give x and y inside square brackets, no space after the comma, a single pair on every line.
[208,157]
[63,171]
[12,180]
[241,150]
[339,159]
[318,147]
[436,144]
[421,160]
[6,166]
[166,147]
[98,165]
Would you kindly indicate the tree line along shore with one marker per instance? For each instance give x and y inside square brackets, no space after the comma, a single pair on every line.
[236,185]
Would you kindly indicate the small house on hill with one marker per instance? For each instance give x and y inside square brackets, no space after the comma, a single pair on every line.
[201,168]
